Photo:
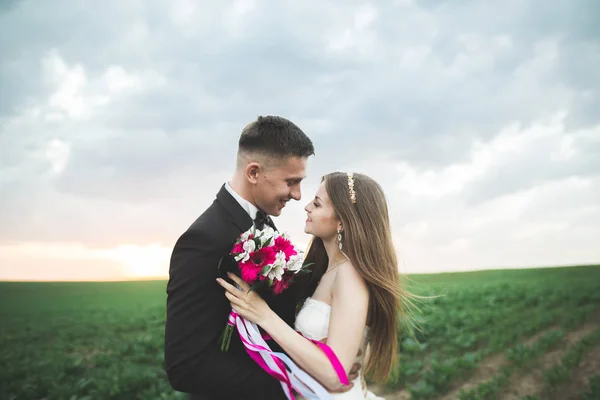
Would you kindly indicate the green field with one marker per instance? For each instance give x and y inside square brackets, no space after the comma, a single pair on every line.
[487,334]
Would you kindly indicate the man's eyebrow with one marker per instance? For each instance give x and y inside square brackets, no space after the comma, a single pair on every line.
[295,180]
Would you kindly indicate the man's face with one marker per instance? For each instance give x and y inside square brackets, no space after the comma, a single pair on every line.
[279,184]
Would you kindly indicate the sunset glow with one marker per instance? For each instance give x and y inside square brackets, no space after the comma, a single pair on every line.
[74,262]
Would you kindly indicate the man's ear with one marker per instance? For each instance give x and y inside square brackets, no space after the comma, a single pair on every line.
[253,170]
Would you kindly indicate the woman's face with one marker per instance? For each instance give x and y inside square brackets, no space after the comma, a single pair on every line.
[322,221]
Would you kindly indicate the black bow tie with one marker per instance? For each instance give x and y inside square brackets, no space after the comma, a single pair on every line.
[261,220]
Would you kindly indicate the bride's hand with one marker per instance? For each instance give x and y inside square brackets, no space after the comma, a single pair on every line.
[245,302]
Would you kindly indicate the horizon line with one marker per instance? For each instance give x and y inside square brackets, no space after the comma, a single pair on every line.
[165,278]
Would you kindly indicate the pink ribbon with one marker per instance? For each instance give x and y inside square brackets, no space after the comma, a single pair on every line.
[335,362]
[281,367]
[231,319]
[254,351]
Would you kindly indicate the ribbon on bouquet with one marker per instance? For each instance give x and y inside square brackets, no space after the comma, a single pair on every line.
[280,366]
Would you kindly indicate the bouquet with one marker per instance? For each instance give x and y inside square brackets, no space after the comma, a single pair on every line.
[265,258]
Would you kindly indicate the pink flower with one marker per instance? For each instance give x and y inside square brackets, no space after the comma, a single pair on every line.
[282,244]
[258,259]
[249,271]
[238,248]
[280,286]
[262,257]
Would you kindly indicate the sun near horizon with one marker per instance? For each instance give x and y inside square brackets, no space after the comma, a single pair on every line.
[34,262]
[75,262]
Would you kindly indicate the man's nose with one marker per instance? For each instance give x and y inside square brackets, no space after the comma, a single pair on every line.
[296,192]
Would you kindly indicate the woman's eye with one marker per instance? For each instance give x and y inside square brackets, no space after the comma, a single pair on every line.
[315,204]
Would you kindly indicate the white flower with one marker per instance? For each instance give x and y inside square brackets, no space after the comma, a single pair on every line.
[266,234]
[278,268]
[295,263]
[276,272]
[246,235]
[267,269]
[280,258]
[243,256]
[249,246]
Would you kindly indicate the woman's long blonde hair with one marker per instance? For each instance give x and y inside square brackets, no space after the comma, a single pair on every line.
[367,241]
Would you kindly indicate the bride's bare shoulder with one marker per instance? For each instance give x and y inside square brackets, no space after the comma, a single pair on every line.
[348,277]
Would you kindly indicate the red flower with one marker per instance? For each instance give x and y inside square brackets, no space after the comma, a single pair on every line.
[262,257]
[282,244]
[249,271]
[238,248]
[258,259]
[280,286]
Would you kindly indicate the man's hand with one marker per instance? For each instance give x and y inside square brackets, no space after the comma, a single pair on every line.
[351,376]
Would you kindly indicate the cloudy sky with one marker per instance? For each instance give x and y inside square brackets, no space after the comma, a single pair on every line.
[119,123]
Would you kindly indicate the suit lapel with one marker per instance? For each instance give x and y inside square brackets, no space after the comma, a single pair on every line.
[238,215]
[282,304]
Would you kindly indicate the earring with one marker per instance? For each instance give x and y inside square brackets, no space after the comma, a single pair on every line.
[339,239]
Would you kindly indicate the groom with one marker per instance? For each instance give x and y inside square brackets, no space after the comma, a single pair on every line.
[271,163]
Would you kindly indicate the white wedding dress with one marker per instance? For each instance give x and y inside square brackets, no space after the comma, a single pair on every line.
[313,322]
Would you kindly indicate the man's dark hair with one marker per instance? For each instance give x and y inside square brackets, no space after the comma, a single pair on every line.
[276,137]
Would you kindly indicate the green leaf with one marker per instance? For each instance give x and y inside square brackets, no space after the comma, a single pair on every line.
[303,271]
[255,285]
[265,269]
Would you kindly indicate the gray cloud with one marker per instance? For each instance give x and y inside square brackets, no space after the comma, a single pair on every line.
[128,114]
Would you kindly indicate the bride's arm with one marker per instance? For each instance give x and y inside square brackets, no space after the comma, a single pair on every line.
[346,326]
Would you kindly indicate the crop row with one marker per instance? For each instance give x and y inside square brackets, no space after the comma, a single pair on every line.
[522,357]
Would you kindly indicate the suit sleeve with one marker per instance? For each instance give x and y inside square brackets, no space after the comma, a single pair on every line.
[197,311]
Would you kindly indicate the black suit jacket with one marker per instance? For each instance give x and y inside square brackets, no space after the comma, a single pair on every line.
[197,311]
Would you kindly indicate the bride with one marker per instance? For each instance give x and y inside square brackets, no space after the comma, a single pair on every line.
[357,298]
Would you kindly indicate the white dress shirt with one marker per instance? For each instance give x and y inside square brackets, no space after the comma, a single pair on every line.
[246,205]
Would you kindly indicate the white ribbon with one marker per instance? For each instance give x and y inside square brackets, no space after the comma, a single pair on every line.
[300,381]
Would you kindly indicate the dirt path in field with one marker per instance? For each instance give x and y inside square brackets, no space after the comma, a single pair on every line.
[579,380]
[487,368]
[523,384]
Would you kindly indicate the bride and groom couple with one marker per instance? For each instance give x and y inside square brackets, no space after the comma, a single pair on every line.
[350,301]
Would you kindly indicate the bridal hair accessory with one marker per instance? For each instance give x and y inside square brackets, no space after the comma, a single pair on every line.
[351,187]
